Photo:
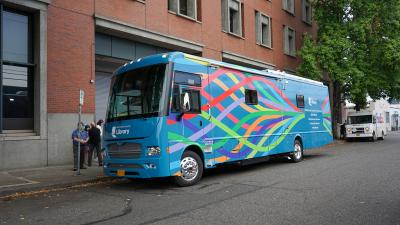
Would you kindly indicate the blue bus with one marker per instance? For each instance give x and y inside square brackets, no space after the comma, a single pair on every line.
[176,114]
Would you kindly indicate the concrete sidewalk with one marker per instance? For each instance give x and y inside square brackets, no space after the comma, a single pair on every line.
[26,180]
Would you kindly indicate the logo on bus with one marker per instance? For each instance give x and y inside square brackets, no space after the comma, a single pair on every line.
[124,130]
[312,101]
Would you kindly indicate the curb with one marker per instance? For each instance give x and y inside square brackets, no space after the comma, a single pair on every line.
[28,191]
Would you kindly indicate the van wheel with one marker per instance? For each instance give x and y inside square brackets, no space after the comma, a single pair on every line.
[297,154]
[374,138]
[191,169]
[383,136]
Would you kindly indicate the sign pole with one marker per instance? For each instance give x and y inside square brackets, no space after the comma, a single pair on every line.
[79,144]
[81,97]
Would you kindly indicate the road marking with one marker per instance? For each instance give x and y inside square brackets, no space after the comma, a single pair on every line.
[27,181]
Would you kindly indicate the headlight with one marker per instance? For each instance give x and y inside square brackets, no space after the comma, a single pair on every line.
[348,130]
[366,129]
[153,151]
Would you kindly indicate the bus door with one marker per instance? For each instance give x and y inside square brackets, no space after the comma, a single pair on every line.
[296,94]
[192,109]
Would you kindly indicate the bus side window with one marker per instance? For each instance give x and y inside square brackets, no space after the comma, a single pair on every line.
[251,97]
[300,101]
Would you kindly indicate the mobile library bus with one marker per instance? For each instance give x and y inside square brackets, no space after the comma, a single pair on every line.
[176,115]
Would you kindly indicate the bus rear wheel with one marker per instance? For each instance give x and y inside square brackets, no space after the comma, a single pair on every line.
[297,154]
[191,169]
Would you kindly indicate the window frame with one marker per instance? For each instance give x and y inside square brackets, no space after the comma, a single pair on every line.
[306,17]
[176,9]
[29,64]
[226,18]
[286,7]
[286,41]
[259,29]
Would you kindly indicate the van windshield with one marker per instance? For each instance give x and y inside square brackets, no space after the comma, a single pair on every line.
[360,119]
[137,93]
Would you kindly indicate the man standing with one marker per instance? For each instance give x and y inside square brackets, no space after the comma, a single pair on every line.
[94,144]
[79,137]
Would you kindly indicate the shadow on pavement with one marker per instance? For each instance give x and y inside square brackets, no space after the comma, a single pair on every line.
[214,175]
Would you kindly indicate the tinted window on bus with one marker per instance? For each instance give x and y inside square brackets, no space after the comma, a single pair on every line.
[187,79]
[251,97]
[300,101]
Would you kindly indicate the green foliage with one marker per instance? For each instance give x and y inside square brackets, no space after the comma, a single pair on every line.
[358,45]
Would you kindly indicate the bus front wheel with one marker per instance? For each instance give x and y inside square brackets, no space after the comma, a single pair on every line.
[297,154]
[191,169]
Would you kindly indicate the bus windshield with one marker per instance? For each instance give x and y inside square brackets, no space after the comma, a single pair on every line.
[360,119]
[137,93]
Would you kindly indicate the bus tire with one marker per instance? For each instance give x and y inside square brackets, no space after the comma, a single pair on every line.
[191,169]
[297,154]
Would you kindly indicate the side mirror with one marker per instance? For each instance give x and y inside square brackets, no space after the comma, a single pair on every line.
[184,105]
[185,102]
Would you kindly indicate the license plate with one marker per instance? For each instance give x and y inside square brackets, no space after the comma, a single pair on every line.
[120,173]
[357,135]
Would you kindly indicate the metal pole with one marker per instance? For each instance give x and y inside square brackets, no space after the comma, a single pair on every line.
[79,144]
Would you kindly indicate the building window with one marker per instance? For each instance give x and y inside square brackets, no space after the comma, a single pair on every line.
[263,30]
[289,41]
[288,5]
[186,8]
[307,11]
[16,66]
[232,17]
[300,101]
[251,97]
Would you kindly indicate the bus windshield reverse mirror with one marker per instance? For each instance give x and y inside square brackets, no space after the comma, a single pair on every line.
[185,100]
[184,105]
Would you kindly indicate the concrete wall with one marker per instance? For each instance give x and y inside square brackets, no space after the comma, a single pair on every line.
[61,126]
[26,152]
[23,154]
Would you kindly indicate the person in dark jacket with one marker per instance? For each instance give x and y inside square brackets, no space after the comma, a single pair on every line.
[94,144]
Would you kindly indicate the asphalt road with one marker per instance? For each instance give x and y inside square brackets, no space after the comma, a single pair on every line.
[350,183]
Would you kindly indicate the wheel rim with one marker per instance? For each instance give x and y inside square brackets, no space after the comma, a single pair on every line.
[189,168]
[297,151]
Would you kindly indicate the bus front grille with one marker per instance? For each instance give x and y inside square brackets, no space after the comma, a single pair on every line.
[124,151]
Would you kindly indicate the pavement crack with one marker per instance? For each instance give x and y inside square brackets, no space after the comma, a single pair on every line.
[125,211]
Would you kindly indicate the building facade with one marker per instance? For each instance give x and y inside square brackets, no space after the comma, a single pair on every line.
[51,49]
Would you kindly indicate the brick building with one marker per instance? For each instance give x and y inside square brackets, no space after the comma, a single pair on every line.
[50,49]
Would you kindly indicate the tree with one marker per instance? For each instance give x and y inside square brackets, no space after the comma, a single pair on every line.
[357,50]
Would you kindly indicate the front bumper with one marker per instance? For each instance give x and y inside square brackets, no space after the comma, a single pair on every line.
[359,135]
[136,168]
